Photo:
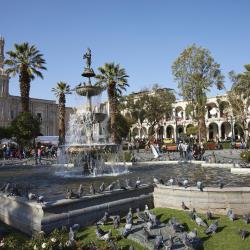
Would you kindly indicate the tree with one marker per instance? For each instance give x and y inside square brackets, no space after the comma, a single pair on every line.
[196,72]
[25,61]
[114,79]
[152,108]
[60,91]
[239,98]
[25,128]
[6,132]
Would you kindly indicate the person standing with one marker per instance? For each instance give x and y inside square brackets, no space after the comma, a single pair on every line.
[39,155]
[180,148]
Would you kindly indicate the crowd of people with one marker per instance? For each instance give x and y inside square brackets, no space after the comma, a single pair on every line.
[10,152]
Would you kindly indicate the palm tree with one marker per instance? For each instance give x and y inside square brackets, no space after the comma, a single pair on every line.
[60,91]
[114,80]
[25,61]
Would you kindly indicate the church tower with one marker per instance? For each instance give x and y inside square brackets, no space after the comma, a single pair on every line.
[4,79]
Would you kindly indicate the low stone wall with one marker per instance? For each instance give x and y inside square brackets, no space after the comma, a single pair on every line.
[214,199]
[29,216]
[240,171]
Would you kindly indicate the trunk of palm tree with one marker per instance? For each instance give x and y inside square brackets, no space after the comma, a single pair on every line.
[24,89]
[61,119]
[113,112]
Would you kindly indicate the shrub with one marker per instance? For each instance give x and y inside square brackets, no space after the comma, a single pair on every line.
[245,156]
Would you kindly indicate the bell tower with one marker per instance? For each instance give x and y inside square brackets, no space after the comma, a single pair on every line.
[4,79]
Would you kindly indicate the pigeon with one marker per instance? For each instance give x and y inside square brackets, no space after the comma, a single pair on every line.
[231,215]
[106,236]
[200,186]
[128,183]
[117,222]
[129,217]
[184,207]
[31,196]
[92,189]
[221,184]
[80,191]
[212,228]
[121,186]
[112,244]
[199,221]
[141,216]
[149,225]
[127,230]
[171,181]
[75,227]
[156,180]
[104,219]
[243,234]
[71,235]
[102,188]
[153,219]
[158,242]
[169,243]
[246,218]
[111,186]
[191,215]
[186,241]
[147,234]
[185,183]
[176,225]
[209,215]
[192,234]
[69,194]
[146,209]
[138,182]
[99,232]
[40,199]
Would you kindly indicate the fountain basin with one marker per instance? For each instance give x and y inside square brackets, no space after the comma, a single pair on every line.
[30,217]
[94,147]
[214,199]
[88,90]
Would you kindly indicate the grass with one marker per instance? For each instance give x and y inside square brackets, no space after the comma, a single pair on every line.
[226,238]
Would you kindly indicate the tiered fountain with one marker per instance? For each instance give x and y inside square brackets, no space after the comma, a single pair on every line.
[85,147]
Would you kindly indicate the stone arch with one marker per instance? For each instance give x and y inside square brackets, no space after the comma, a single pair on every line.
[213,131]
[179,112]
[223,108]
[238,131]
[170,131]
[160,132]
[212,110]
[226,130]
[179,130]
[135,132]
[144,133]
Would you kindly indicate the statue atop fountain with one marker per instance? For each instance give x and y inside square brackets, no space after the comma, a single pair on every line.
[85,147]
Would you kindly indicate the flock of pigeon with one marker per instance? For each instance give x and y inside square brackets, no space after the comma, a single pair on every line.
[12,189]
[70,194]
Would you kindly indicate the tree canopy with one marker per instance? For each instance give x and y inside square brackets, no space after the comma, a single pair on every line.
[196,71]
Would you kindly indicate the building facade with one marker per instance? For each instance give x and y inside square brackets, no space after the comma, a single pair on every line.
[10,106]
[220,123]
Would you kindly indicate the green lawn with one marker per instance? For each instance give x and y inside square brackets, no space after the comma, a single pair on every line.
[227,237]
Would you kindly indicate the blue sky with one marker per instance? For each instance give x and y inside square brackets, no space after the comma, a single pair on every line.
[144,36]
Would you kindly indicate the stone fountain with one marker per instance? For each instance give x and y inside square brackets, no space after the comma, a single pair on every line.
[87,145]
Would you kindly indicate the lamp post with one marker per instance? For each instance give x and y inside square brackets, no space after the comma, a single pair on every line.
[232,128]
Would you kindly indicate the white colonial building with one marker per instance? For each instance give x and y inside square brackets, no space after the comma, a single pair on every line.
[220,123]
[10,105]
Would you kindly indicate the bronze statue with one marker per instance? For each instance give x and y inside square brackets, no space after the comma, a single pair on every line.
[87,56]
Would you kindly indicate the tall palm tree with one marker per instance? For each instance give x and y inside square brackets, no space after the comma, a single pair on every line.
[114,79]
[60,91]
[26,61]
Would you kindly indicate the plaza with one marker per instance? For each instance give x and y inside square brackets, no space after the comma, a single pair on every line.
[124,125]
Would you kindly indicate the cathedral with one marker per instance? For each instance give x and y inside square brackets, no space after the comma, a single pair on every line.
[10,105]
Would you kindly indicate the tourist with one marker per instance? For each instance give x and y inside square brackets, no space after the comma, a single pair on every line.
[137,146]
[180,148]
[185,150]
[4,151]
[39,155]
